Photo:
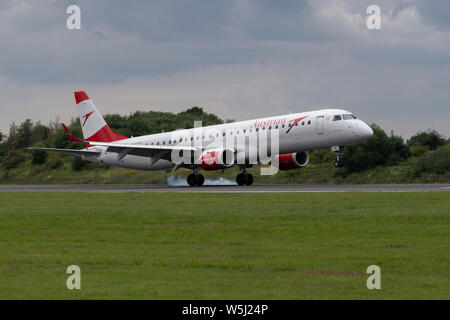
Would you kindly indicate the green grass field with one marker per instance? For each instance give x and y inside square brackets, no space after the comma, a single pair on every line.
[225,246]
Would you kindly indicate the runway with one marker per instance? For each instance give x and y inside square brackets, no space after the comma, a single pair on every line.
[232,188]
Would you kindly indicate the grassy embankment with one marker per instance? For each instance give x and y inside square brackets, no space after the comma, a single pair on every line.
[313,173]
[225,246]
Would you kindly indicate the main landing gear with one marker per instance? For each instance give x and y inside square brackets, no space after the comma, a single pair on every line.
[195,179]
[337,150]
[244,179]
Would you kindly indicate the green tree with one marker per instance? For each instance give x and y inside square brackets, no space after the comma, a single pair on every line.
[38,156]
[429,138]
[379,150]
[437,161]
[78,164]
[25,134]
[13,159]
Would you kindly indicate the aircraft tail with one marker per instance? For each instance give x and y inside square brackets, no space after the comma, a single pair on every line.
[93,125]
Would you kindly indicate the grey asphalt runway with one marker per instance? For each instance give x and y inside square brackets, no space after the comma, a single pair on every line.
[231,188]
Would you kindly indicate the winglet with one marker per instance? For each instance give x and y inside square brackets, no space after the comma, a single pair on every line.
[71,136]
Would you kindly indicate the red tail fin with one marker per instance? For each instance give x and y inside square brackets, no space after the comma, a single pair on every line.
[93,125]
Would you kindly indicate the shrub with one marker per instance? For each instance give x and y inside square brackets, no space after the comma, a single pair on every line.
[78,164]
[13,159]
[54,161]
[437,161]
[429,138]
[379,150]
[38,157]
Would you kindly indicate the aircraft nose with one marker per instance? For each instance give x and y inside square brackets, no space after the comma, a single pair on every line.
[367,131]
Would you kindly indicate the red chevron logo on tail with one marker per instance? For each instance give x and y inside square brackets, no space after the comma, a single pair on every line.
[85,117]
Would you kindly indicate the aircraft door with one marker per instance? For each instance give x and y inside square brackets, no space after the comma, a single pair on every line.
[319,125]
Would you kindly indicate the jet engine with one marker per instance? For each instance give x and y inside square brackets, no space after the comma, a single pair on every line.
[294,160]
[217,159]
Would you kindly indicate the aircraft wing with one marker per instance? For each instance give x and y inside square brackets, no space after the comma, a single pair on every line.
[73,152]
[114,147]
[153,151]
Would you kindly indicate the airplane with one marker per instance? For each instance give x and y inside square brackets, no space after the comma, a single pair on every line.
[287,141]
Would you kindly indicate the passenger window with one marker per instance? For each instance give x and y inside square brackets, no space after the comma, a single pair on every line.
[309,122]
[337,117]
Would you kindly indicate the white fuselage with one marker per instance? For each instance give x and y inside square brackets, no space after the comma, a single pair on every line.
[297,132]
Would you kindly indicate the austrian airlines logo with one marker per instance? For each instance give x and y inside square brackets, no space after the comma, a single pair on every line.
[86,116]
[294,121]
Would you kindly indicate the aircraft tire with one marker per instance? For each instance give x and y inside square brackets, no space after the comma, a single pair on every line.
[240,179]
[248,179]
[191,180]
[200,180]
[338,164]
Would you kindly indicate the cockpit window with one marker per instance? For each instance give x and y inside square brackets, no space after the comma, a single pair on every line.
[337,117]
[348,116]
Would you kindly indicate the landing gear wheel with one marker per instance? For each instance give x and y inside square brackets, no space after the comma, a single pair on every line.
[338,164]
[244,179]
[248,179]
[200,179]
[337,150]
[191,180]
[240,179]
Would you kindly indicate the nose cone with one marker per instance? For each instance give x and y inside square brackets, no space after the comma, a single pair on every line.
[366,131]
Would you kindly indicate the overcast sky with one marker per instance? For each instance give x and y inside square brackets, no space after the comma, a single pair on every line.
[240,59]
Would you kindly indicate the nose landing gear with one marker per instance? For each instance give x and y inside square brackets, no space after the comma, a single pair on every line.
[195,179]
[337,150]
